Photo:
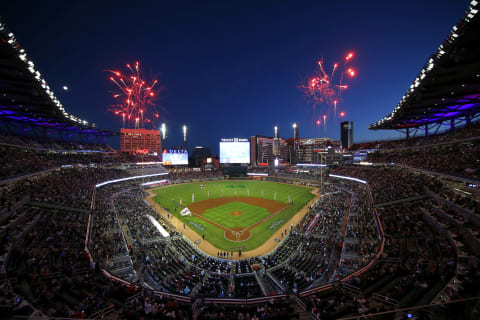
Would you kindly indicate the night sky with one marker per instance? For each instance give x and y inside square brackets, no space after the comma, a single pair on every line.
[232,68]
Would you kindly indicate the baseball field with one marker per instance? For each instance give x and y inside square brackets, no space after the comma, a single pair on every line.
[234,215]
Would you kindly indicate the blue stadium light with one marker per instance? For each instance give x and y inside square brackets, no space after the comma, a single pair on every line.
[347,178]
[310,165]
[154,182]
[129,178]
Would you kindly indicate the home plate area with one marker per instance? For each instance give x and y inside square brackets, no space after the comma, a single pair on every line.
[236,233]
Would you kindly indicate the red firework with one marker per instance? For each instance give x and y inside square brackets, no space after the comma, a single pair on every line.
[135,100]
[326,88]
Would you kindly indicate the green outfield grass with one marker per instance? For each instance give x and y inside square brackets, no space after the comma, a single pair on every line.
[169,198]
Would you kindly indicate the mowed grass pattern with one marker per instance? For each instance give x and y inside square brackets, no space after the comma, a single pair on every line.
[223,214]
[169,198]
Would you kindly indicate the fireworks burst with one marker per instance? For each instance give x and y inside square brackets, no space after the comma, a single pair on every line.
[134,101]
[326,88]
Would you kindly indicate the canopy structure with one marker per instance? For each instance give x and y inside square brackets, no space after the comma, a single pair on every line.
[446,92]
[27,101]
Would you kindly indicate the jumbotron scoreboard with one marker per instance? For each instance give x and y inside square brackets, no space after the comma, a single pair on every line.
[234,150]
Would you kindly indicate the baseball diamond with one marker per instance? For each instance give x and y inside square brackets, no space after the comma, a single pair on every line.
[234,213]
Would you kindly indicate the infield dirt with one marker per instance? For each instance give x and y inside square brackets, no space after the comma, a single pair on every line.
[237,234]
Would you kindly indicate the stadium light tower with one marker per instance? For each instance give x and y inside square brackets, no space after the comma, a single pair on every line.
[295,130]
[163,130]
[184,129]
[295,142]
[276,147]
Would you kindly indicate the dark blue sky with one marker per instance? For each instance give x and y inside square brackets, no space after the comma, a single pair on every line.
[232,68]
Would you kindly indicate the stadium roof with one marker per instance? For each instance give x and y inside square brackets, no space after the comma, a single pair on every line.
[25,95]
[448,86]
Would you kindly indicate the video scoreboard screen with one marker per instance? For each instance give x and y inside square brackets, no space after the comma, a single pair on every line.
[175,157]
[234,151]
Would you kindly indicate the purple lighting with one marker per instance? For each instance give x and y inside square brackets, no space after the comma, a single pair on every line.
[473,96]
[454,107]
[6,112]
[446,114]
[467,106]
[450,114]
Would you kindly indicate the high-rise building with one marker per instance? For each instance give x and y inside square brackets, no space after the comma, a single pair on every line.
[309,150]
[276,147]
[140,141]
[200,154]
[264,150]
[346,134]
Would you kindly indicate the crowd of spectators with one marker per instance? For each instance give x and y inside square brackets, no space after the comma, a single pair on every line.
[42,247]
[22,160]
[31,142]
[471,132]
[186,174]
[319,231]
[383,181]
[134,215]
[459,159]
[154,307]
[68,187]
[310,173]
[429,254]
[454,153]
[274,310]
[48,267]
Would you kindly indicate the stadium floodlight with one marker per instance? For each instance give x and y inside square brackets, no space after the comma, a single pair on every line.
[294,125]
[184,132]
[163,130]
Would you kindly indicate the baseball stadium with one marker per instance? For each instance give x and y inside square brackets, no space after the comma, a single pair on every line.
[182,200]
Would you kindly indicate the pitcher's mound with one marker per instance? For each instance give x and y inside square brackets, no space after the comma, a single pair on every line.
[236,213]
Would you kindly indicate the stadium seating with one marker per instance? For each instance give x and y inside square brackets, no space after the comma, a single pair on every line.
[334,260]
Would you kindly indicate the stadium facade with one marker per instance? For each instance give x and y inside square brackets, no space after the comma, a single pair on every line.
[140,141]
